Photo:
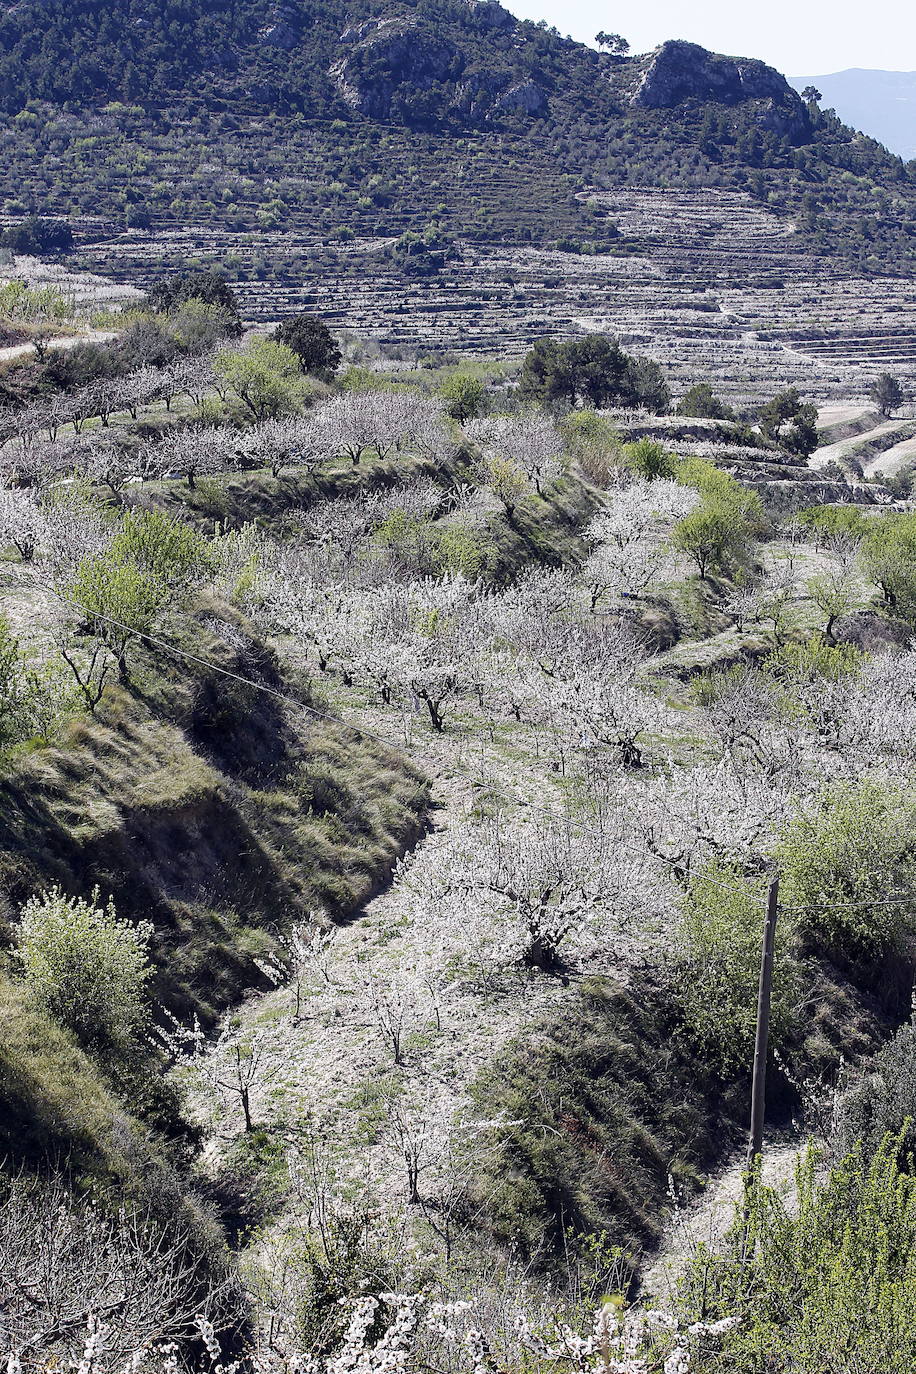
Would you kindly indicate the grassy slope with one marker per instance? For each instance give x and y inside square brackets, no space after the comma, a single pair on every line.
[204,806]
[227,816]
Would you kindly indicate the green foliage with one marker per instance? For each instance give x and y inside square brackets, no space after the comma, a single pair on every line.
[827,521]
[506,481]
[198,325]
[826,1282]
[723,917]
[710,535]
[843,858]
[151,564]
[881,1100]
[701,402]
[591,371]
[30,699]
[120,600]
[887,393]
[645,386]
[422,254]
[717,534]
[464,395]
[165,548]
[313,344]
[790,422]
[38,237]
[594,443]
[428,549]
[814,661]
[33,304]
[87,968]
[265,376]
[889,560]
[208,286]
[650,459]
[834,595]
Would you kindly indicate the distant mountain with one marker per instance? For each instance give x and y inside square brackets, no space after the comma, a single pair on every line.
[335,120]
[882,104]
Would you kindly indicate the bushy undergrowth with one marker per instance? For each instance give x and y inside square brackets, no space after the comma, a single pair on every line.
[881,1097]
[836,858]
[606,1104]
[721,971]
[827,1281]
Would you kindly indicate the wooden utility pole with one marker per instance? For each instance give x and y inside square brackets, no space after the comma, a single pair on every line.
[764,998]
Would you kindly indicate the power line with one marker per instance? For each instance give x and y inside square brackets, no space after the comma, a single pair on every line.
[176,652]
[388,745]
[358,730]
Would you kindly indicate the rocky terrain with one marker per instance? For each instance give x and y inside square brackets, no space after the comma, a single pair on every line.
[711,284]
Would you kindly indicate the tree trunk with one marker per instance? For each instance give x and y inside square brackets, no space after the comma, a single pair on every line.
[435,714]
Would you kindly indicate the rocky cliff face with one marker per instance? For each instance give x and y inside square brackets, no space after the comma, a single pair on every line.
[678,72]
[394,69]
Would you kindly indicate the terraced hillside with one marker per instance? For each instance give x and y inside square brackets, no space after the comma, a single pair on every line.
[709,283]
[439,174]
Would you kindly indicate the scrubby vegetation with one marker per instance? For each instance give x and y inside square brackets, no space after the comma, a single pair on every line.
[394,768]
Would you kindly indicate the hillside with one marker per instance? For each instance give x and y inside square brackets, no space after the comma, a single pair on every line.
[340,120]
[411,749]
[412,716]
[883,104]
[441,177]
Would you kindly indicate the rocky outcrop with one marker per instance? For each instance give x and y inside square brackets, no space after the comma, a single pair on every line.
[395,69]
[390,56]
[281,31]
[528,98]
[678,72]
[488,14]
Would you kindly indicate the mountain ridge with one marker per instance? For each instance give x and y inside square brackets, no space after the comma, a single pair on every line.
[363,120]
[881,102]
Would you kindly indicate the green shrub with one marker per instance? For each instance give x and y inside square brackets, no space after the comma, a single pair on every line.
[594,444]
[824,1283]
[790,422]
[889,560]
[464,395]
[649,459]
[723,917]
[701,402]
[167,549]
[16,692]
[265,376]
[813,661]
[845,860]
[834,520]
[882,1100]
[718,532]
[120,600]
[86,968]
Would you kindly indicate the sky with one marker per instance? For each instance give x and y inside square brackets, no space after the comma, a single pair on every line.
[799,37]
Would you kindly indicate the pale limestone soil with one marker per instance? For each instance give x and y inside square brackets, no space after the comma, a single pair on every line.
[58,345]
[890,462]
[708,1220]
[828,416]
[888,433]
[334,1065]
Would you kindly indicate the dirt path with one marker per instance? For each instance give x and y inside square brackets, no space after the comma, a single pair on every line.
[710,1218]
[58,345]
